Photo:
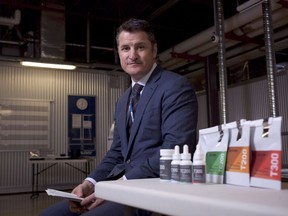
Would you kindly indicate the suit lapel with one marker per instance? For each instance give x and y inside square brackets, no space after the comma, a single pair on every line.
[148,92]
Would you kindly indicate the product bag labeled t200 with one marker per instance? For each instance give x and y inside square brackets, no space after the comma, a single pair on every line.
[238,156]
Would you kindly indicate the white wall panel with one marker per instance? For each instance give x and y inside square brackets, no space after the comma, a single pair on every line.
[55,85]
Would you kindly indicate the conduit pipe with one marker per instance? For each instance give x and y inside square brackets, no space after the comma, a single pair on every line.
[248,47]
[242,48]
[205,37]
[240,52]
[202,52]
[256,53]
[11,21]
[270,58]
[253,29]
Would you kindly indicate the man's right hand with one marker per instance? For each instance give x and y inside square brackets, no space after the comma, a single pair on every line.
[85,190]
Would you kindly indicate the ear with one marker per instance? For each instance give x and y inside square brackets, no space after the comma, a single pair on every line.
[155,50]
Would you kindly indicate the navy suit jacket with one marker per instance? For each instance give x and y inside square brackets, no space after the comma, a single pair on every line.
[166,116]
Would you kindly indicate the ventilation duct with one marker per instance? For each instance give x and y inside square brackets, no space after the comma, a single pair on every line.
[53,33]
[11,21]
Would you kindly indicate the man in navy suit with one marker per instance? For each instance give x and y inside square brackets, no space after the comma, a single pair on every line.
[166,116]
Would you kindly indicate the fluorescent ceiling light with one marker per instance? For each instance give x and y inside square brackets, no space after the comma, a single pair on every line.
[48,65]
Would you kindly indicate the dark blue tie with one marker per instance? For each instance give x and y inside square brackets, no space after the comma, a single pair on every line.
[135,95]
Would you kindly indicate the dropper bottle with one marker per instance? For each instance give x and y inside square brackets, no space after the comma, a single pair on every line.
[175,165]
[186,166]
[199,171]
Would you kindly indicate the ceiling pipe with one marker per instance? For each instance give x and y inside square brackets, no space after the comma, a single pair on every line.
[248,5]
[11,42]
[256,53]
[11,21]
[205,37]
[244,53]
[280,19]
[277,15]
[247,47]
[253,29]
[241,54]
[162,9]
[255,33]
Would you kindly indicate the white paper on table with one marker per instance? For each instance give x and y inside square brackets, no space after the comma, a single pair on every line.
[63,194]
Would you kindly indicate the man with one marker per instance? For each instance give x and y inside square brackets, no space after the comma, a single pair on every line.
[166,116]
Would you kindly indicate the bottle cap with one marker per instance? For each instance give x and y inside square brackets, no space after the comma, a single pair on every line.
[185,155]
[198,155]
[176,155]
[166,152]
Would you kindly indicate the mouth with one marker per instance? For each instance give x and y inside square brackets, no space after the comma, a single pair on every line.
[133,63]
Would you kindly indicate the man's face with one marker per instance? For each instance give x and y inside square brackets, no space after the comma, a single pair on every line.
[136,53]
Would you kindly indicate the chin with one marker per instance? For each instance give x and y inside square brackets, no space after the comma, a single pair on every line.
[133,70]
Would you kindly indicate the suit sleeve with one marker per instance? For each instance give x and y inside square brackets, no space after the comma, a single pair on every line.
[112,158]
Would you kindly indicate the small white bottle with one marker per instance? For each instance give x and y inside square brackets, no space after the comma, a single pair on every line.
[186,166]
[175,165]
[199,170]
[165,164]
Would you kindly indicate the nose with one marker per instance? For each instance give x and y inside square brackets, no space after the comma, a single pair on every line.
[133,54]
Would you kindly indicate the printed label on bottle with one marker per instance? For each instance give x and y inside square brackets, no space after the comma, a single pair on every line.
[165,169]
[215,162]
[199,175]
[238,159]
[186,173]
[175,172]
[266,164]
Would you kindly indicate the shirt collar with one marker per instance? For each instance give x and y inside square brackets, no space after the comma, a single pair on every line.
[144,79]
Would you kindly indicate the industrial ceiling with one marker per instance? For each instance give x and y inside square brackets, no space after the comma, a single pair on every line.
[83,32]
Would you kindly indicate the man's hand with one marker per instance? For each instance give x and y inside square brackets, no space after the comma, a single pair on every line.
[85,190]
[91,202]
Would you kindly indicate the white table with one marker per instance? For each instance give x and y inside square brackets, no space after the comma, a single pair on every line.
[191,199]
[51,163]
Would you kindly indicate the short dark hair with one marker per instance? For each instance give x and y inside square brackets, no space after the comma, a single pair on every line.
[134,25]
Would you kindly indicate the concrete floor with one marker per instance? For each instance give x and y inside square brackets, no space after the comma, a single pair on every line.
[23,205]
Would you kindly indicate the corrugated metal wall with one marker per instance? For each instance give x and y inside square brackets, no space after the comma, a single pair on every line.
[250,101]
[18,82]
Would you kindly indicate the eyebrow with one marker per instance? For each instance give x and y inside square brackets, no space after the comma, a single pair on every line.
[136,44]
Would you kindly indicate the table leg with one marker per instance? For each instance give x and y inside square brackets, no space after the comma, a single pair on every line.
[87,167]
[34,194]
[37,173]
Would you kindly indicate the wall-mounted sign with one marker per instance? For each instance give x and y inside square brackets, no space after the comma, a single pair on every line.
[81,126]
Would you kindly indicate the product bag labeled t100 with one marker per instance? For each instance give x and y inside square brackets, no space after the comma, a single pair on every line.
[214,142]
